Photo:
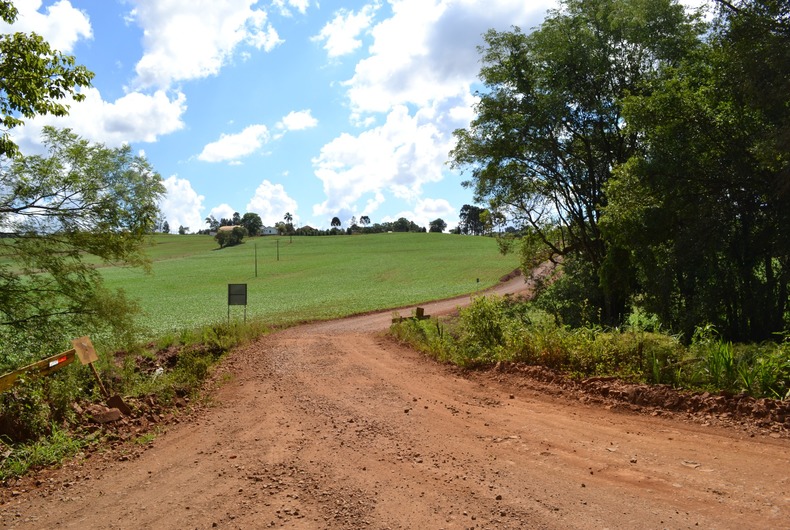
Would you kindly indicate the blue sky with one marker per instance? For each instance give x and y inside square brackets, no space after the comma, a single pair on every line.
[316,108]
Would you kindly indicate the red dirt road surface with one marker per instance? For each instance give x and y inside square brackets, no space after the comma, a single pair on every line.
[333,425]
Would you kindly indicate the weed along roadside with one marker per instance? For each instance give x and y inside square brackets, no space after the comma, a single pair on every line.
[51,410]
[85,352]
[632,367]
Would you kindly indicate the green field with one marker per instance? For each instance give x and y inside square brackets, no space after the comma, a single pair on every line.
[314,278]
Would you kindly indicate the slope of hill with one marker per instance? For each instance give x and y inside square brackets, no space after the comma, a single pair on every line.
[305,278]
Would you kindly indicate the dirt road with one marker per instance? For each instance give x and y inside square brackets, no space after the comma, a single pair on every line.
[332,425]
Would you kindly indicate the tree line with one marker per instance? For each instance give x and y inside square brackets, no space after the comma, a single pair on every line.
[647,150]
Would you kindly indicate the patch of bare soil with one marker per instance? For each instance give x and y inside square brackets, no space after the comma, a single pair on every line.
[333,425]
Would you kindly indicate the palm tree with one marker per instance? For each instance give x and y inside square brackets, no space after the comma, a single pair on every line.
[289,227]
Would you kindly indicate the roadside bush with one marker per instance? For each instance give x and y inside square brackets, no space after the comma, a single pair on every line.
[761,370]
[28,410]
[36,415]
[574,296]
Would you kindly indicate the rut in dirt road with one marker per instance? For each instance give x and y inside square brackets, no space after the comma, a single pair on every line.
[332,425]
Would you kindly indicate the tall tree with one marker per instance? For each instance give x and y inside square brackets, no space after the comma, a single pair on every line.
[437,225]
[252,223]
[549,127]
[704,211]
[401,225]
[78,200]
[289,227]
[470,222]
[364,220]
[336,222]
[34,79]
[212,223]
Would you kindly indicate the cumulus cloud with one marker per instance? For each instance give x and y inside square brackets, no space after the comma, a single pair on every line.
[425,211]
[341,34]
[297,121]
[272,202]
[223,211]
[439,59]
[135,117]
[423,87]
[181,205]
[285,6]
[398,157]
[62,25]
[185,39]
[231,147]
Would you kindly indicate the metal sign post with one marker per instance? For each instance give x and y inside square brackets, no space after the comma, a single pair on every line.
[237,295]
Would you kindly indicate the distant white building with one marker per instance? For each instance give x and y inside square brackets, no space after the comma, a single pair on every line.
[269,231]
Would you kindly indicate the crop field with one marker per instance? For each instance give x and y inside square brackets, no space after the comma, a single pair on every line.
[314,277]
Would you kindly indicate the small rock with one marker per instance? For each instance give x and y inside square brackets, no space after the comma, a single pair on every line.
[106,416]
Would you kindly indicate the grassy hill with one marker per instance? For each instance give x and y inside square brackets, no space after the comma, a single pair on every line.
[314,278]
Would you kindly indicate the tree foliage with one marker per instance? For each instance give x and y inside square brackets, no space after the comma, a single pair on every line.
[229,238]
[549,127]
[252,223]
[470,221]
[78,203]
[34,79]
[437,225]
[704,209]
[650,153]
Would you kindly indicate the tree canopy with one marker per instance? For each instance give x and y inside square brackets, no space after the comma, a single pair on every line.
[229,238]
[437,225]
[252,223]
[78,202]
[34,79]
[647,151]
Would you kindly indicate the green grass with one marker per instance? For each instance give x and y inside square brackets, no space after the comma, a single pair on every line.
[315,277]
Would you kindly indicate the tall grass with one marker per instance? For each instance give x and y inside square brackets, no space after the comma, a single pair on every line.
[493,329]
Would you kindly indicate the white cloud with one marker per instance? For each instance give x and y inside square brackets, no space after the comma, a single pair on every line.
[341,35]
[297,121]
[223,211]
[425,211]
[398,157]
[189,39]
[234,146]
[62,25]
[271,202]
[285,5]
[439,58]
[181,205]
[135,117]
